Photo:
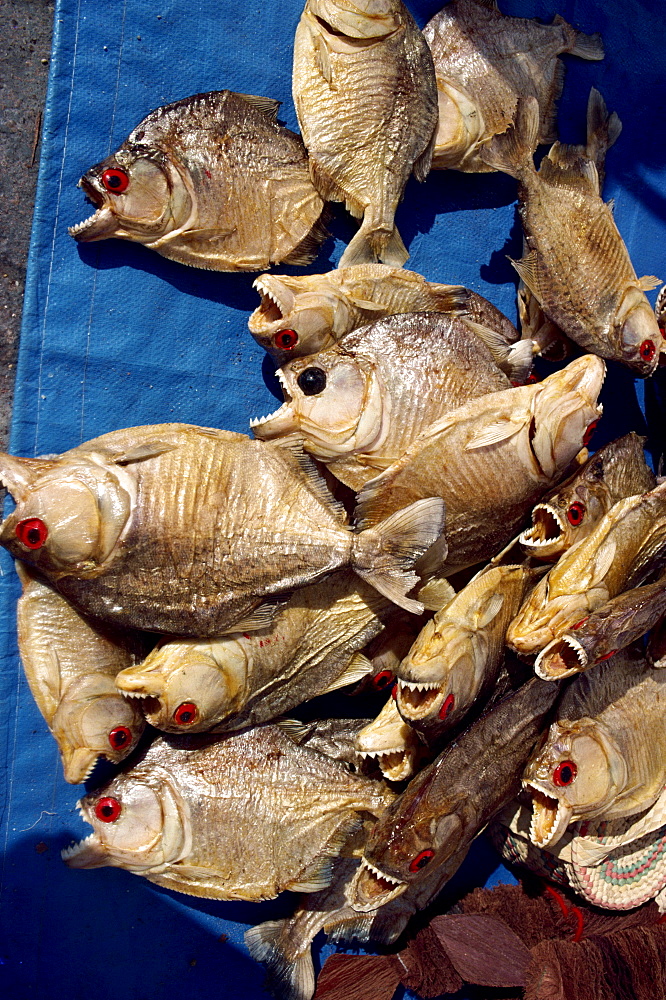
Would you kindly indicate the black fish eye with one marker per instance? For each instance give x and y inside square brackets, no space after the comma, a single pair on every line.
[312,381]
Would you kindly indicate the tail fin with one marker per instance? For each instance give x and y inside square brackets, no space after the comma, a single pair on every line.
[602,131]
[292,977]
[385,554]
[371,244]
[512,151]
[590,47]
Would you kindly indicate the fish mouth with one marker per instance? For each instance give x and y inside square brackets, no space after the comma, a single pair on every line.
[101,224]
[416,700]
[78,764]
[562,657]
[550,817]
[546,535]
[281,421]
[396,764]
[371,888]
[87,853]
[275,304]
[151,705]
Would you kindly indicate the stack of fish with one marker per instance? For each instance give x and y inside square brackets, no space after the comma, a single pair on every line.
[206,583]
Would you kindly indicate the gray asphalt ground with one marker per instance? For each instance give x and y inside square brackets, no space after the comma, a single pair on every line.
[25,45]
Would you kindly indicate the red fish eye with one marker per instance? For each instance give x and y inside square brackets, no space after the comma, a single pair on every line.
[449,702]
[647,350]
[589,432]
[115,181]
[382,679]
[108,810]
[185,714]
[286,340]
[564,773]
[576,513]
[421,860]
[532,379]
[120,737]
[32,532]
[578,624]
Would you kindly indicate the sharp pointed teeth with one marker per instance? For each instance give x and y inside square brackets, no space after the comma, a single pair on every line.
[379,874]
[75,848]
[415,686]
[281,379]
[577,648]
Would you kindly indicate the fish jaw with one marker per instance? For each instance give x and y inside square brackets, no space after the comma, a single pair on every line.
[391,742]
[550,816]
[418,699]
[547,538]
[561,658]
[541,620]
[77,763]
[371,888]
[101,225]
[87,853]
[280,422]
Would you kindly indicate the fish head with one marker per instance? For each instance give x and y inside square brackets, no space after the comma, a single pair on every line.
[575,775]
[564,413]
[636,332]
[360,19]
[189,685]
[438,677]
[293,320]
[94,720]
[334,400]
[68,517]
[140,822]
[568,516]
[390,741]
[406,845]
[140,193]
[543,617]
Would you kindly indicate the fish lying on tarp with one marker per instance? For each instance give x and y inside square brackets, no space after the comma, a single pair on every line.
[307,313]
[211,181]
[484,62]
[610,628]
[627,545]
[185,530]
[239,817]
[366,101]
[247,678]
[605,755]
[491,461]
[71,663]
[576,263]
[359,405]
[615,471]
[448,803]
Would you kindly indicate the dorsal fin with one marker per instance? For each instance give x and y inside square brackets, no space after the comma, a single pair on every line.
[267,105]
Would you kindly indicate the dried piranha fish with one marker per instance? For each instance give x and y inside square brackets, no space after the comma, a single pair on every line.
[241,817]
[615,471]
[484,62]
[577,266]
[359,405]
[307,313]
[71,663]
[211,181]
[185,530]
[366,100]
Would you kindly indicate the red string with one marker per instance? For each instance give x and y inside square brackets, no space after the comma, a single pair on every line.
[574,911]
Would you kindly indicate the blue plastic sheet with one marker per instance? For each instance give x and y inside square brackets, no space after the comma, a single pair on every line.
[115,335]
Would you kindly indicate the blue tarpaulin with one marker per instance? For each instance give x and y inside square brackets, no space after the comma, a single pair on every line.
[114,335]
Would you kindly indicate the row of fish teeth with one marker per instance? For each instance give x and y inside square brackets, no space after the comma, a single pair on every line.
[379,753]
[138,694]
[256,421]
[571,642]
[533,822]
[381,875]
[74,849]
[415,686]
[82,225]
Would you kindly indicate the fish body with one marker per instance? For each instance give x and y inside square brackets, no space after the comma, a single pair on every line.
[449,802]
[627,544]
[247,678]
[71,663]
[484,61]
[490,461]
[311,312]
[610,628]
[576,264]
[366,100]
[185,530]
[615,471]
[605,755]
[458,653]
[211,181]
[358,411]
[243,817]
